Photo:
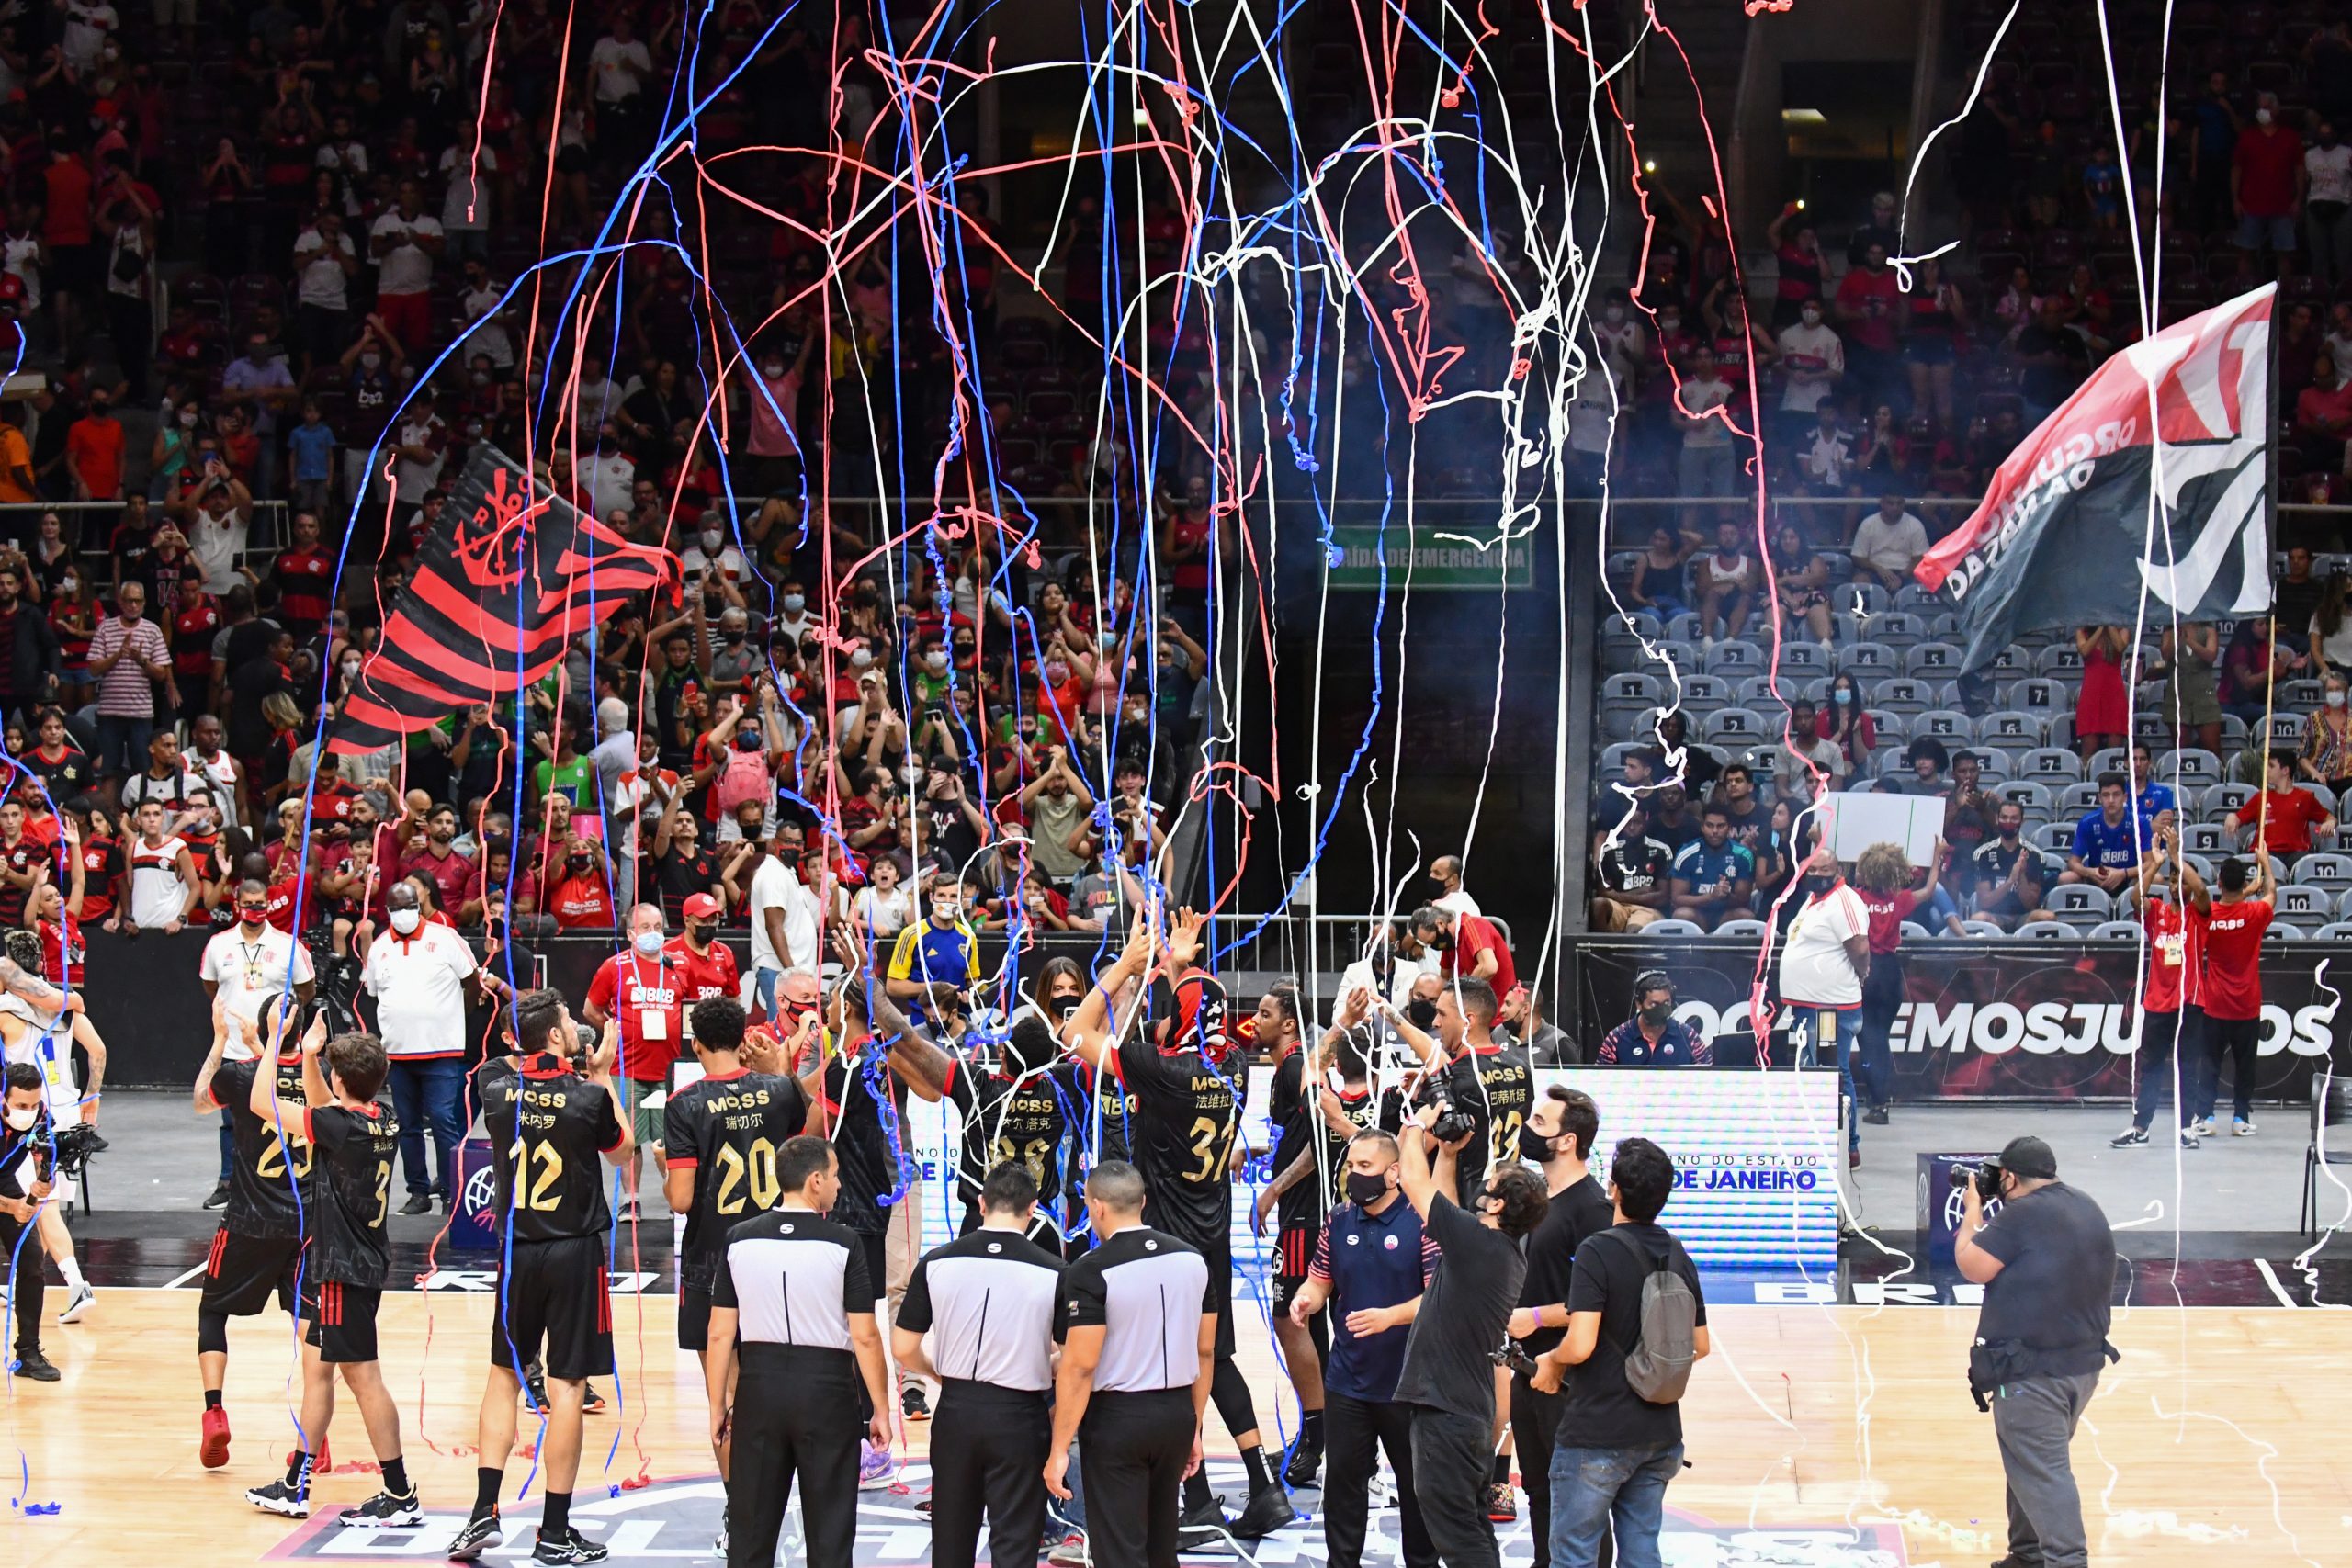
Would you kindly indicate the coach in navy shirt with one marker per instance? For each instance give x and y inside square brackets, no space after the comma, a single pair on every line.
[1370,1265]
[2108,842]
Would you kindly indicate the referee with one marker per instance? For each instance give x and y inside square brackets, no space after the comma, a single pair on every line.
[1137,1323]
[794,1300]
[986,1301]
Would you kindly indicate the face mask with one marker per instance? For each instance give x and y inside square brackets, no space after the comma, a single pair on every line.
[369,361]
[773,371]
[649,943]
[2336,699]
[22,1121]
[68,584]
[1057,673]
[1669,325]
[405,922]
[252,914]
[1657,1013]
[1819,884]
[859,659]
[1615,314]
[1366,1190]
[1812,318]
[1534,1147]
[1844,699]
[712,539]
[2262,117]
[729,635]
[577,864]
[795,603]
[187,421]
[935,660]
[747,740]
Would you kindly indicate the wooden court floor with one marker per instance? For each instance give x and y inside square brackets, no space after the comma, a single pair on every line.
[2225,1436]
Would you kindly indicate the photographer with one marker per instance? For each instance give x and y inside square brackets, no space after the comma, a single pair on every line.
[27,1165]
[2047,1263]
[1449,1373]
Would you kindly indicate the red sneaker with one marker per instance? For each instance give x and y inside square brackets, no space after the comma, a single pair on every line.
[214,1449]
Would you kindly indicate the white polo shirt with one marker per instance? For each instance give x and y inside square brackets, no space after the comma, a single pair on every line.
[1816,970]
[418,982]
[249,969]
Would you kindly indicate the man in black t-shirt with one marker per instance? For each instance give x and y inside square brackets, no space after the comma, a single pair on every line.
[550,1117]
[1625,1448]
[1556,1139]
[1633,872]
[258,1248]
[2047,1263]
[354,1142]
[1449,1376]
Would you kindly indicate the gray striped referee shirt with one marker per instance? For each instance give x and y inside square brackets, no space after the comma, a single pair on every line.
[986,1301]
[1147,1291]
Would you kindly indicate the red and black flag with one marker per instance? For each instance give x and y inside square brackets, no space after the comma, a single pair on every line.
[2063,537]
[501,588]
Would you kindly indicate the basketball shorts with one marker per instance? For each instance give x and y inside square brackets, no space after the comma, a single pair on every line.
[241,1270]
[554,1293]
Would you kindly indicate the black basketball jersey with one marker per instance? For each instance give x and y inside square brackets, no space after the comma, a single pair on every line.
[1361,1108]
[861,1142]
[261,1200]
[1101,1098]
[352,1181]
[1004,1121]
[549,1127]
[1187,1114]
[729,1128]
[1297,1118]
[1496,1088]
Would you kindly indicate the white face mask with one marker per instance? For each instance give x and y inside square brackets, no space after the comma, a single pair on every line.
[936,660]
[711,541]
[2262,117]
[2336,699]
[23,1120]
[648,942]
[859,659]
[795,603]
[405,920]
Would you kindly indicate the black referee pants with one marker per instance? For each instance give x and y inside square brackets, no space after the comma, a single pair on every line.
[1354,1431]
[1534,1428]
[1454,1465]
[795,1417]
[1132,1451]
[987,1458]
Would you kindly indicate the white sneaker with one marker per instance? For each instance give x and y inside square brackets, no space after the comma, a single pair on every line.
[2202,1126]
[78,1304]
[2241,1128]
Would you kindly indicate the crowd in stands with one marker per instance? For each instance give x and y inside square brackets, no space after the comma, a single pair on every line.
[1873,394]
[321,202]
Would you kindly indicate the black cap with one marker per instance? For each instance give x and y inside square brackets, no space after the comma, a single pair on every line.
[2030,1158]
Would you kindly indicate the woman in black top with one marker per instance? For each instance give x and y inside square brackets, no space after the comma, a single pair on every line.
[1802,578]
[1659,582]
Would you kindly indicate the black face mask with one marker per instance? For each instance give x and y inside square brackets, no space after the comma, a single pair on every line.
[1819,884]
[1366,1190]
[700,935]
[1658,1014]
[1061,1007]
[577,864]
[1534,1147]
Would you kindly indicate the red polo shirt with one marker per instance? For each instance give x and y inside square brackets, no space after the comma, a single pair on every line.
[647,995]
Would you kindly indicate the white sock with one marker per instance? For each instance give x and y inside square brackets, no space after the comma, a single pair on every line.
[72,1269]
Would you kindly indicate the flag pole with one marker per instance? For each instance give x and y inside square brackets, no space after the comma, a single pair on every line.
[2270,547]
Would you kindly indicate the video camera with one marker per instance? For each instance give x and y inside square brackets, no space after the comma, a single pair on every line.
[1512,1354]
[74,1147]
[1452,1125]
[1986,1178]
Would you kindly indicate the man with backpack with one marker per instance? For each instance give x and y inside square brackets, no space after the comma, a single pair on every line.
[1636,1325]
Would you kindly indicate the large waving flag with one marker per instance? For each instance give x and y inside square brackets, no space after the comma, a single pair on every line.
[500,589]
[2062,536]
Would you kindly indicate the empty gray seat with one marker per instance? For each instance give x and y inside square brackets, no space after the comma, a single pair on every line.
[2049,930]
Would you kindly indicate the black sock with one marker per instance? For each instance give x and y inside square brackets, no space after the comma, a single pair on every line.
[1253,1459]
[1198,1496]
[1502,1468]
[396,1478]
[298,1473]
[557,1518]
[1310,1429]
[213,1399]
[486,1484]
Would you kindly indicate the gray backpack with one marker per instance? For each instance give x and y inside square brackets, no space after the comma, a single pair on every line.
[1658,1366]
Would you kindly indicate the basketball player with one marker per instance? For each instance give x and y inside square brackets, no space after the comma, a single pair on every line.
[1298,1194]
[1188,1110]
[1011,1116]
[551,1115]
[258,1247]
[354,1142]
[719,1138]
[1105,1106]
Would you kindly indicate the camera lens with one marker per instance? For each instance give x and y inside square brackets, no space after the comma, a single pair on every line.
[1961,1175]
